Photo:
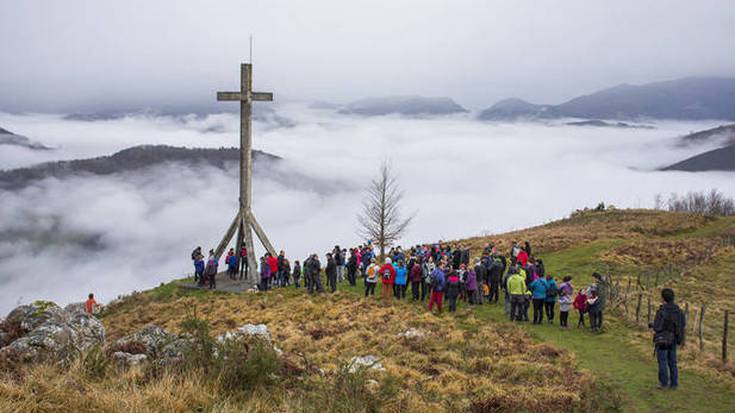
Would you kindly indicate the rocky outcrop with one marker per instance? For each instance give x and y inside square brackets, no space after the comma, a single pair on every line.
[42,330]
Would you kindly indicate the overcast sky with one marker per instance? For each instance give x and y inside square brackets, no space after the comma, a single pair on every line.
[67,55]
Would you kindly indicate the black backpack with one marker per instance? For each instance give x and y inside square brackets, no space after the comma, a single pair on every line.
[673,331]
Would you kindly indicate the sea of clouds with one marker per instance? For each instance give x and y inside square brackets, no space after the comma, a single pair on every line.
[60,239]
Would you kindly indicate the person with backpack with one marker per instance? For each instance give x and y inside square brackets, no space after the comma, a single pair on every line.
[438,284]
[427,268]
[565,301]
[401,280]
[416,277]
[371,277]
[228,262]
[454,286]
[668,332]
[195,256]
[211,270]
[538,289]
[388,278]
[580,304]
[296,274]
[199,269]
[312,270]
[552,291]
[516,287]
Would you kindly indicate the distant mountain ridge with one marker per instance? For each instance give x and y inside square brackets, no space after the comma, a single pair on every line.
[725,133]
[402,105]
[722,159]
[131,159]
[693,98]
[9,138]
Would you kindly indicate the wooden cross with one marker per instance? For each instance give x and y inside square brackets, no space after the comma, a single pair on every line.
[245,220]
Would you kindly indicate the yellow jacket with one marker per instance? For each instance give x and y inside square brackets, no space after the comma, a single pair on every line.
[517,284]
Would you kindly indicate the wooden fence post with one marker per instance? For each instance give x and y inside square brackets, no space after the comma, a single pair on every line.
[638,308]
[701,328]
[724,339]
[686,320]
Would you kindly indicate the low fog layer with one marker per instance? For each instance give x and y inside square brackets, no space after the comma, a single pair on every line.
[60,239]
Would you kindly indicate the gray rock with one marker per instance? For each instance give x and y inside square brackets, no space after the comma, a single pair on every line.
[128,359]
[42,330]
[89,330]
[247,331]
[25,318]
[368,361]
[412,333]
[151,340]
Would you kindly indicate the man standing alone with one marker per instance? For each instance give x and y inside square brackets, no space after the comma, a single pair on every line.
[668,328]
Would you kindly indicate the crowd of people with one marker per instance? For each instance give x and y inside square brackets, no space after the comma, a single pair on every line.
[442,273]
[436,273]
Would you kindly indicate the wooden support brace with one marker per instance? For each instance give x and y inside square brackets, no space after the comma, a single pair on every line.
[228,236]
[724,337]
[261,235]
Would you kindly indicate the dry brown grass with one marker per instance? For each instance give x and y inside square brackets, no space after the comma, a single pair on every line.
[587,227]
[462,364]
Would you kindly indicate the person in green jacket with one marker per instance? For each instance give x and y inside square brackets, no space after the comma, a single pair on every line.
[517,290]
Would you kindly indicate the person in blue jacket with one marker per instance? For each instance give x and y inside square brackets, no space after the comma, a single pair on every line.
[538,290]
[399,288]
[199,269]
[552,291]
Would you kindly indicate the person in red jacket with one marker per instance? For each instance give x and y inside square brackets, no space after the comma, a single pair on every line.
[273,264]
[522,258]
[388,275]
[580,304]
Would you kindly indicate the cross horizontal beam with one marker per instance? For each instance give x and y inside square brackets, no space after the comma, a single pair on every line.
[239,96]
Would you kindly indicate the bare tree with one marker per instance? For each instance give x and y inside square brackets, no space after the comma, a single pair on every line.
[381,219]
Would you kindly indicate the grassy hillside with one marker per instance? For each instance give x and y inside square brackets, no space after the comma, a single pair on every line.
[473,360]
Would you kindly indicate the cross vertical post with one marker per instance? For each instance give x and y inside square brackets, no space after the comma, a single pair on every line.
[245,220]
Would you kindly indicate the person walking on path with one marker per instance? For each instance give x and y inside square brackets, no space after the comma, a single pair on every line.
[668,332]
[388,278]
